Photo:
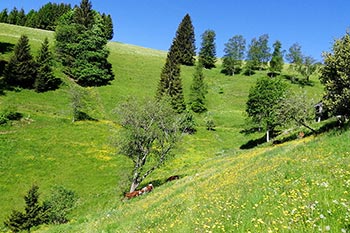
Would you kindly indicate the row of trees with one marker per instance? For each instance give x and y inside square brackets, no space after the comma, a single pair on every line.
[80,46]
[25,71]
[258,56]
[271,104]
[47,17]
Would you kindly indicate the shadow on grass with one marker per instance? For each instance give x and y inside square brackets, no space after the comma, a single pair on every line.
[82,116]
[6,47]
[298,81]
[333,125]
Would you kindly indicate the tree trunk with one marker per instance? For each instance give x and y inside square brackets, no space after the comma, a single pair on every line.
[267,135]
[134,185]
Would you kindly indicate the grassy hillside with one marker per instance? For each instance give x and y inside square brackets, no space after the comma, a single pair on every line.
[300,185]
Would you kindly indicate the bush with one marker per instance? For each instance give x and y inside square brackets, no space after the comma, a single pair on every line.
[9,113]
[60,204]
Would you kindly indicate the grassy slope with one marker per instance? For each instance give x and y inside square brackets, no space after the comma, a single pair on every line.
[222,186]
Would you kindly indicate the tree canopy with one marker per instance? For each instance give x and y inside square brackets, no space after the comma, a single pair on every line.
[263,103]
[335,76]
[81,45]
[150,132]
[207,53]
[234,55]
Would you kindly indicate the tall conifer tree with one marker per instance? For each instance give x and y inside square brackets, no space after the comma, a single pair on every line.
[276,63]
[84,14]
[45,79]
[198,91]
[184,42]
[170,85]
[207,53]
[21,69]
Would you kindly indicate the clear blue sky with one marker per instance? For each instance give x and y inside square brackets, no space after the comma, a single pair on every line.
[314,24]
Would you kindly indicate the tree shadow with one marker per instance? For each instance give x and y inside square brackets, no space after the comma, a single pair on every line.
[253,143]
[302,82]
[6,47]
[82,116]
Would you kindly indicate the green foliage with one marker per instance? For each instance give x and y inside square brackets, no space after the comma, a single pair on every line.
[263,102]
[108,26]
[84,15]
[4,16]
[45,79]
[335,76]
[307,68]
[82,48]
[184,42]
[259,52]
[61,202]
[207,53]
[234,55]
[276,63]
[13,16]
[297,109]
[188,123]
[21,69]
[150,132]
[170,84]
[32,216]
[48,15]
[198,90]
[9,113]
[295,55]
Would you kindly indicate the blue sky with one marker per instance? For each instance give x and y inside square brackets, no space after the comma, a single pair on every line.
[314,24]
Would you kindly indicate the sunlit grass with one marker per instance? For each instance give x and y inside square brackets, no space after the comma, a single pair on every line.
[298,186]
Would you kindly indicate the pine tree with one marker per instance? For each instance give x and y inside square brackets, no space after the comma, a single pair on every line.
[4,16]
[184,42]
[45,79]
[21,17]
[108,26]
[21,69]
[13,16]
[207,53]
[83,50]
[198,91]
[84,14]
[170,85]
[33,213]
[276,63]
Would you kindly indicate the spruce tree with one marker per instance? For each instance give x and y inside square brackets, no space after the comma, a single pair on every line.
[198,91]
[276,63]
[21,69]
[4,16]
[33,213]
[45,79]
[207,53]
[108,26]
[84,14]
[13,16]
[83,50]
[184,42]
[170,85]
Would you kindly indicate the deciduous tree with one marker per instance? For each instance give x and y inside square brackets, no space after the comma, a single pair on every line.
[263,103]
[335,76]
[234,55]
[150,132]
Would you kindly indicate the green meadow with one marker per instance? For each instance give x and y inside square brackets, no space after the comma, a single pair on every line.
[301,185]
